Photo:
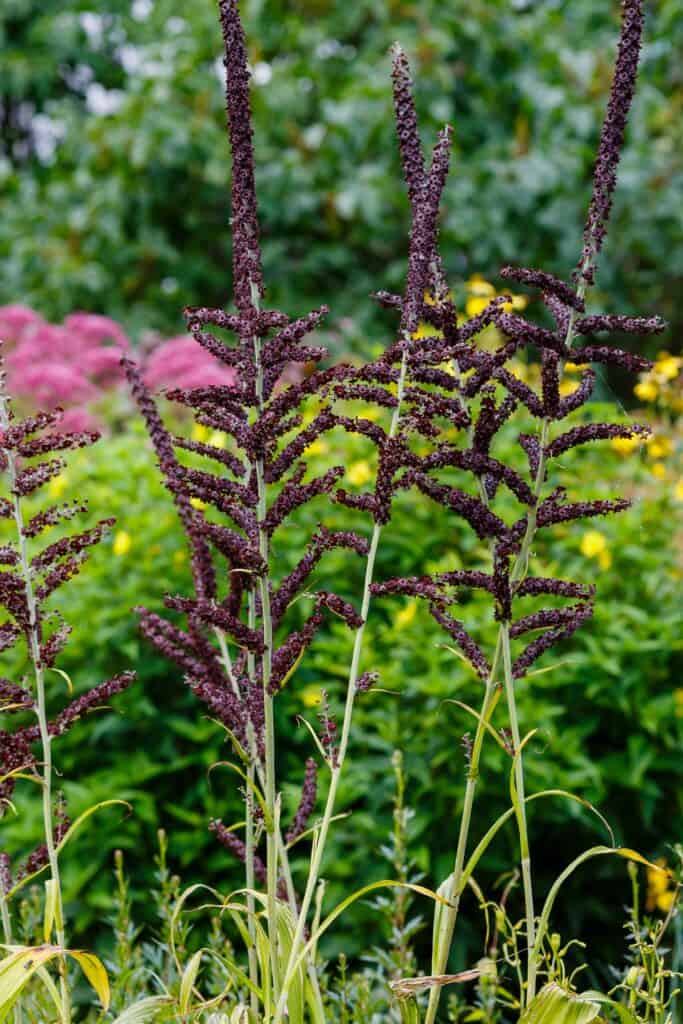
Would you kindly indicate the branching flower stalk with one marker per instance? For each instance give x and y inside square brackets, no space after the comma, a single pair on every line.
[25,586]
[425,277]
[40,707]
[439,384]
[565,304]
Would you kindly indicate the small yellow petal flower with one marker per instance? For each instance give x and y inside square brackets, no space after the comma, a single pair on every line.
[218,439]
[660,447]
[626,445]
[604,560]
[658,470]
[122,543]
[669,366]
[478,286]
[665,899]
[646,390]
[359,473]
[678,490]
[431,301]
[311,695]
[660,894]
[567,387]
[200,432]
[425,330]
[517,302]
[678,702]
[475,305]
[572,367]
[593,544]
[197,503]
[318,447]
[406,615]
[57,485]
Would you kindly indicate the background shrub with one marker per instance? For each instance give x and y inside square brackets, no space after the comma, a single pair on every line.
[117,197]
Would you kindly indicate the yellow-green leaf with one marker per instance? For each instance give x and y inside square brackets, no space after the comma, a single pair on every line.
[189,977]
[553,1005]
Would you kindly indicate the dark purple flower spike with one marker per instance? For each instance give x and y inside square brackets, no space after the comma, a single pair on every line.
[29,460]
[234,647]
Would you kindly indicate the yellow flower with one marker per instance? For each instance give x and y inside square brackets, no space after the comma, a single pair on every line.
[660,894]
[567,387]
[646,390]
[678,702]
[406,615]
[668,366]
[218,439]
[359,473]
[625,445]
[122,543]
[200,432]
[431,301]
[572,368]
[478,286]
[594,545]
[425,330]
[678,490]
[57,485]
[311,695]
[197,503]
[476,304]
[660,447]
[318,447]
[658,470]
[518,302]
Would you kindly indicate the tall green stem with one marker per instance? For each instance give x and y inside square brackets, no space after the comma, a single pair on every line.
[518,573]
[337,767]
[455,887]
[40,710]
[5,918]
[520,814]
[268,710]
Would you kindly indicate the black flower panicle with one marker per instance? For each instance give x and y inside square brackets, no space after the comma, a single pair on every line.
[247,274]
[612,136]
[486,396]
[239,636]
[31,575]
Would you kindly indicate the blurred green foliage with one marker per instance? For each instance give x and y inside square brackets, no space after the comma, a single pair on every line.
[129,214]
[608,713]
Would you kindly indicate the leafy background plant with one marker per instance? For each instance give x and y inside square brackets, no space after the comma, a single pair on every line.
[125,211]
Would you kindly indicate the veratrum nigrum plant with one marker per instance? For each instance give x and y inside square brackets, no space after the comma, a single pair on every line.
[32,572]
[440,398]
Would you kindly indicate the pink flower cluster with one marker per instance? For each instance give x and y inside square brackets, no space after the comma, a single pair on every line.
[75,365]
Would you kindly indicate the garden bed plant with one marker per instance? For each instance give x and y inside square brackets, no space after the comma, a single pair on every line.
[449,410]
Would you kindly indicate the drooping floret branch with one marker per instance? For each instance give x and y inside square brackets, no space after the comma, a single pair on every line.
[30,457]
